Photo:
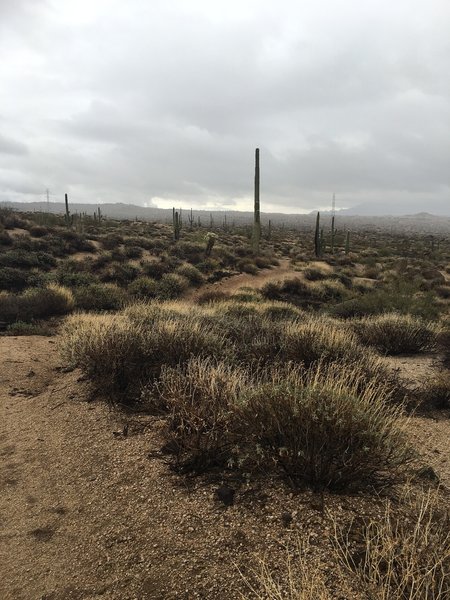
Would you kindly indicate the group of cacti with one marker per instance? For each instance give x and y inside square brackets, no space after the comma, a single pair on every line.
[319,238]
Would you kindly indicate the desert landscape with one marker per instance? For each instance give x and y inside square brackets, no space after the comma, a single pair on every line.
[186,415]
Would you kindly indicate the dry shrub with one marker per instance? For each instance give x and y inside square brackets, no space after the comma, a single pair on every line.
[317,338]
[36,303]
[200,400]
[212,296]
[403,557]
[393,333]
[323,427]
[120,354]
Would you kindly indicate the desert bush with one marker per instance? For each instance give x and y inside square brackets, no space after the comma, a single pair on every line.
[38,231]
[443,342]
[14,280]
[443,291]
[133,252]
[193,252]
[375,302]
[111,241]
[401,556]
[99,297]
[191,273]
[5,239]
[27,260]
[143,288]
[329,291]
[246,266]
[321,428]
[22,328]
[69,278]
[263,262]
[155,269]
[38,303]
[121,354]
[212,296]
[122,274]
[303,579]
[393,333]
[200,401]
[314,274]
[172,285]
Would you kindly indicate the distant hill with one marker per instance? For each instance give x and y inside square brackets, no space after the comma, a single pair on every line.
[354,218]
[382,208]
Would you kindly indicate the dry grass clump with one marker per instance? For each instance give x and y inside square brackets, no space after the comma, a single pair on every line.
[323,428]
[403,556]
[120,353]
[36,303]
[303,579]
[394,333]
[200,400]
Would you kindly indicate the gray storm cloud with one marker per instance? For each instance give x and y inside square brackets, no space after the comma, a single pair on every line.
[126,102]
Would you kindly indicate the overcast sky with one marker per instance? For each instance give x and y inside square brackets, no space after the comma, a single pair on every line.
[163,102]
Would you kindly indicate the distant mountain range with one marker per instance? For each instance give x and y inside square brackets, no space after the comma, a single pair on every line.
[379,209]
[371,215]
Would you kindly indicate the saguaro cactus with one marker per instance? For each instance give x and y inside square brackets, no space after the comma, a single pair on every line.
[176,225]
[333,233]
[347,243]
[66,199]
[317,244]
[257,217]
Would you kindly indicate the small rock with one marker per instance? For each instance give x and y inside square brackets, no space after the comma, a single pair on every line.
[225,494]
[286,519]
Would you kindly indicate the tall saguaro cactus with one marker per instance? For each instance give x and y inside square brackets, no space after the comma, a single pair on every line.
[66,200]
[317,241]
[257,217]
[176,224]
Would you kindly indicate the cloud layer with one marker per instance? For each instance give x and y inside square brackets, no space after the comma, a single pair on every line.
[163,103]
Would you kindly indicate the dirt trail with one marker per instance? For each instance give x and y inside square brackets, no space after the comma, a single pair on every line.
[235,282]
[86,514]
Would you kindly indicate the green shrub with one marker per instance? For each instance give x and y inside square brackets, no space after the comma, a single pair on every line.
[52,300]
[322,429]
[133,252]
[376,302]
[13,280]
[393,333]
[70,279]
[172,286]
[191,273]
[143,287]
[99,297]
